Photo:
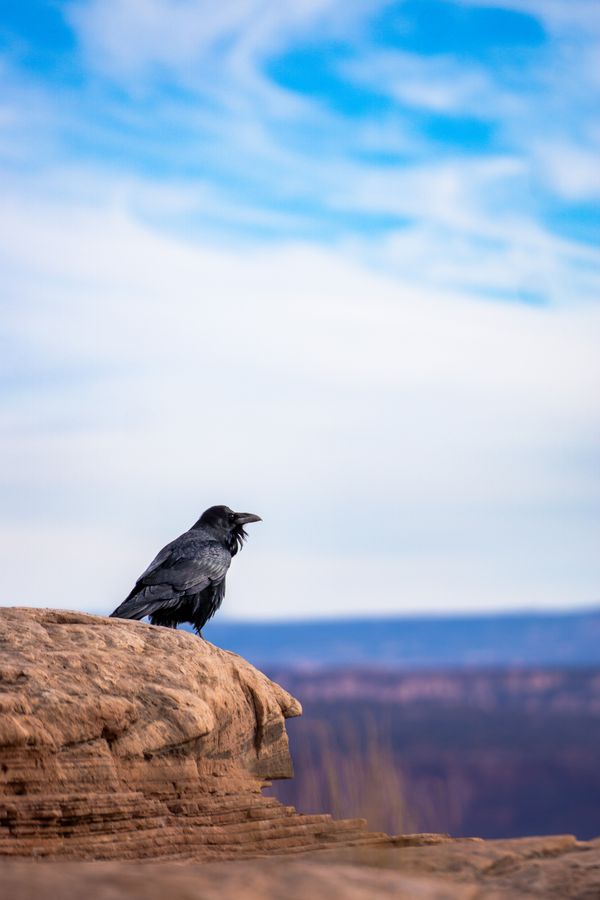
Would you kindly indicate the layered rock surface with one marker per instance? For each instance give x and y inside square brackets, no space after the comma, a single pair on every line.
[553,868]
[119,740]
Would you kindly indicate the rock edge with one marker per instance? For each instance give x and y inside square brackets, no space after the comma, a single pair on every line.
[120,740]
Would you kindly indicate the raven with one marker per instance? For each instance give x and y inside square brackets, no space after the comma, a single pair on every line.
[186,581]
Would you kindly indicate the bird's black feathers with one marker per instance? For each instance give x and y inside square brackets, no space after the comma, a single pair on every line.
[185,582]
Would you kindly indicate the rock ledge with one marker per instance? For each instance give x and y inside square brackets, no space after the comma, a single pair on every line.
[119,740]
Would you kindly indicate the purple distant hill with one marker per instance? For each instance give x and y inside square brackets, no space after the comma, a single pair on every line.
[527,639]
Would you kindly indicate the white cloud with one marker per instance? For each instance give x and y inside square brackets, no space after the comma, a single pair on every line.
[542,107]
[338,403]
[573,170]
[203,44]
[440,83]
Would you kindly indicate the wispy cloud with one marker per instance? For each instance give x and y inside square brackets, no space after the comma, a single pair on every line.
[290,378]
[438,84]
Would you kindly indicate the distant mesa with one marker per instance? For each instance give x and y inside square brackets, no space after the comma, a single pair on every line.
[492,639]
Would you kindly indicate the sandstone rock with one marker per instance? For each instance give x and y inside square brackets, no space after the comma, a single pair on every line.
[555,868]
[254,880]
[123,740]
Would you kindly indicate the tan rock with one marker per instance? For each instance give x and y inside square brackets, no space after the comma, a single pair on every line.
[123,740]
[558,866]
[543,868]
[253,880]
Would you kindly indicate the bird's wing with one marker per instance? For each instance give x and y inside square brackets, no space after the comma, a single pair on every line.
[188,563]
[159,560]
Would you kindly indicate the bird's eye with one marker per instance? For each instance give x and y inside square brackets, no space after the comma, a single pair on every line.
[232,517]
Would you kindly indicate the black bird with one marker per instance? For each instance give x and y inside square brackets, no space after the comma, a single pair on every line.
[186,581]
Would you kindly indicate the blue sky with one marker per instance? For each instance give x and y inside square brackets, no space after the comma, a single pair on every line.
[335,263]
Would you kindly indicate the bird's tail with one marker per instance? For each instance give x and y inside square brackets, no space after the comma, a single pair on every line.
[135,606]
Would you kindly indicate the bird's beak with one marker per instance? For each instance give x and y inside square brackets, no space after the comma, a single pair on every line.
[245,518]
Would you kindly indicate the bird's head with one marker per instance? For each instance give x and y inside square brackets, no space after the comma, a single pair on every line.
[227,525]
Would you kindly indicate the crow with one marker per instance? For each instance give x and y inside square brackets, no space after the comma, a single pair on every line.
[186,581]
